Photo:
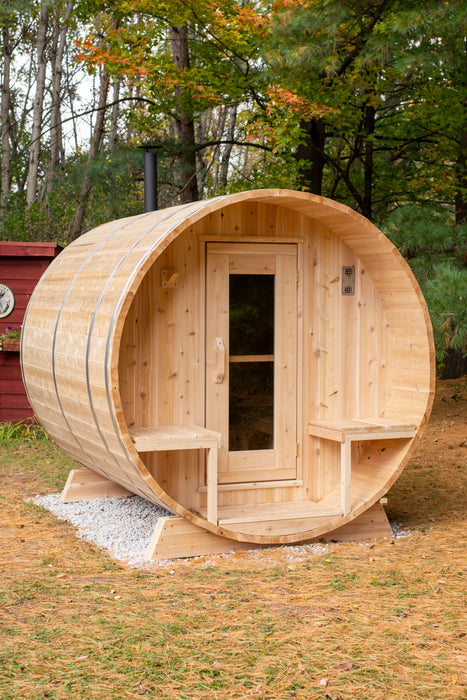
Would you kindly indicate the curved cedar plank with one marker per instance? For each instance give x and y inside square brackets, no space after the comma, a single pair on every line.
[72,343]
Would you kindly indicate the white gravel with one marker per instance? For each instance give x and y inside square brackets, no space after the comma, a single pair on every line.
[123,527]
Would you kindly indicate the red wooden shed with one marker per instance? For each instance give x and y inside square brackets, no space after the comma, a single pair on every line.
[21,266]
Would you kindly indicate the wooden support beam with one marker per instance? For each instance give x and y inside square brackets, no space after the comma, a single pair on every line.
[346,475]
[85,485]
[211,479]
[177,538]
[371,525]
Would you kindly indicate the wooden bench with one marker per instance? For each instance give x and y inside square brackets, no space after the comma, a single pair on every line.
[357,429]
[184,437]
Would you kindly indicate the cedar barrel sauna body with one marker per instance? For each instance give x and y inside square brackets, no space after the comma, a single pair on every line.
[277,333]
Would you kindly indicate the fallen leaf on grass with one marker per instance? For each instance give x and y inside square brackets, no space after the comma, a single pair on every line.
[218,667]
[140,689]
[344,666]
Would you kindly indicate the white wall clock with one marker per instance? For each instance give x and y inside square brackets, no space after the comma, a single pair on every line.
[7,300]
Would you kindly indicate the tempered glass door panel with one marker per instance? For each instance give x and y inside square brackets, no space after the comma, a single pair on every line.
[251,348]
[251,405]
[251,315]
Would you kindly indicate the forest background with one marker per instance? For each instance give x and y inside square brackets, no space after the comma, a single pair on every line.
[362,101]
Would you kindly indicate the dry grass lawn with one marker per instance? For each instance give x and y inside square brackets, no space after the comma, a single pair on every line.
[360,621]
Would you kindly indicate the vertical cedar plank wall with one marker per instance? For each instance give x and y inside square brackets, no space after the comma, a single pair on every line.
[161,366]
[346,349]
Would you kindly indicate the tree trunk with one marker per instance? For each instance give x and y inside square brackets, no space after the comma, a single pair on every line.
[58,49]
[369,126]
[455,365]
[184,123]
[222,115]
[311,152]
[461,166]
[134,93]
[34,153]
[5,116]
[224,165]
[96,141]
[113,131]
[461,189]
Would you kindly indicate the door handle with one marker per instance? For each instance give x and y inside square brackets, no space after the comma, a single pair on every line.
[220,350]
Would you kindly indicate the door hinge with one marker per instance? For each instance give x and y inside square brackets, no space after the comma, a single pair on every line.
[296,449]
[298,276]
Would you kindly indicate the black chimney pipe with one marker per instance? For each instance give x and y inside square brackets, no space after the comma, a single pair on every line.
[150,179]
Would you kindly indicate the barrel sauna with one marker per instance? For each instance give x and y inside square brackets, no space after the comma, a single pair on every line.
[261,363]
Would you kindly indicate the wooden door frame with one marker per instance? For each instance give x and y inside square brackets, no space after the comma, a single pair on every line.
[282,250]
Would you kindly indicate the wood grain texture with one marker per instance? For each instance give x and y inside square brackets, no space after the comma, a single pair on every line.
[176,538]
[108,349]
[86,485]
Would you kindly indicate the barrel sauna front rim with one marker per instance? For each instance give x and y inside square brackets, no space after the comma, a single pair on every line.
[261,363]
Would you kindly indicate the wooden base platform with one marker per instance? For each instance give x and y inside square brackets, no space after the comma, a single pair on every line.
[177,538]
[86,485]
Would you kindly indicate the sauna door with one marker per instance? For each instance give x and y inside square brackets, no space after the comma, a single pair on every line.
[251,359]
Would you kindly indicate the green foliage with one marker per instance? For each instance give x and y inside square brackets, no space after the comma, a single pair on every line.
[436,250]
[10,333]
[10,8]
[385,81]
[426,236]
[43,221]
[28,431]
[263,170]
[115,193]
[446,293]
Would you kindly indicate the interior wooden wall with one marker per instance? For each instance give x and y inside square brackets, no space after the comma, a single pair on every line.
[345,370]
